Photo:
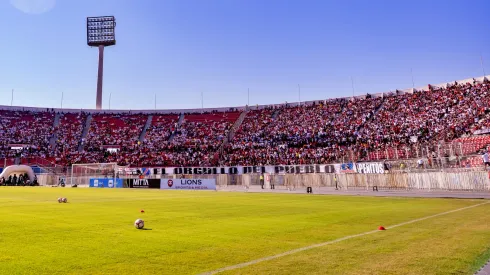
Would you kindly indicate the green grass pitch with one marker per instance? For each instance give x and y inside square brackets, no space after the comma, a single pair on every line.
[191,232]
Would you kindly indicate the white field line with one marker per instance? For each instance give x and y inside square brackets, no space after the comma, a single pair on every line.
[232,267]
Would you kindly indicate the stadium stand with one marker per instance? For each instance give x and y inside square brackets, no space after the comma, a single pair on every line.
[397,125]
[68,137]
[28,131]
[199,138]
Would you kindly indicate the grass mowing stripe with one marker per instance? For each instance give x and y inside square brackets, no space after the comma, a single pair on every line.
[237,266]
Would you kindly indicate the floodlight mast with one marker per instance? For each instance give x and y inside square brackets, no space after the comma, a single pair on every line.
[100,77]
[101,33]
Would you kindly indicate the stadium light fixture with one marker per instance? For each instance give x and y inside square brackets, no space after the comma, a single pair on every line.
[101,33]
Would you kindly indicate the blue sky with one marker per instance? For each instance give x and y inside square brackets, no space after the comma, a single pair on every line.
[177,49]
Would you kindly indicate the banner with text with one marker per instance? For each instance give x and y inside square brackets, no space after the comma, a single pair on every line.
[340,168]
[106,183]
[144,183]
[188,184]
[370,168]
[240,170]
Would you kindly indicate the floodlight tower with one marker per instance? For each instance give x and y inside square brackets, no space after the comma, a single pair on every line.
[101,33]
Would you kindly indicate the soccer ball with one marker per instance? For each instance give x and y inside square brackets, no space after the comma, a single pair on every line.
[139,224]
[60,200]
[64,200]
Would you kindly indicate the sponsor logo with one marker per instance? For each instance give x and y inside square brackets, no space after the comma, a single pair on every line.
[111,183]
[191,182]
[187,184]
[347,168]
[141,183]
[96,183]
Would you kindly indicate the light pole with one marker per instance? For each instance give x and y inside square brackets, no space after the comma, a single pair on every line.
[101,34]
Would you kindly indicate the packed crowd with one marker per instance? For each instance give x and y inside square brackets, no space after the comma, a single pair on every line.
[199,137]
[160,130]
[112,138]
[318,132]
[28,131]
[313,133]
[68,137]
[119,130]
[426,117]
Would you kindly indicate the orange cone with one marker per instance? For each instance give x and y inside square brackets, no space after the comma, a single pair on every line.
[381,228]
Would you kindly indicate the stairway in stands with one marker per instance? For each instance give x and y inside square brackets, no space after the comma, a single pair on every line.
[145,128]
[179,123]
[236,126]
[85,132]
[233,130]
[52,140]
[276,113]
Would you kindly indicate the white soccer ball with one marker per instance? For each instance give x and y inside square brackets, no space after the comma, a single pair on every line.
[60,200]
[139,224]
[65,200]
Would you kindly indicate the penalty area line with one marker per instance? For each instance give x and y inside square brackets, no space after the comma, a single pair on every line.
[264,259]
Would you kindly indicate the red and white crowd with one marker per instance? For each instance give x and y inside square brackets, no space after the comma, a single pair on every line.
[30,133]
[320,132]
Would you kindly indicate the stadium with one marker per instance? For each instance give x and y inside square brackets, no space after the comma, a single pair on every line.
[393,182]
